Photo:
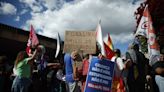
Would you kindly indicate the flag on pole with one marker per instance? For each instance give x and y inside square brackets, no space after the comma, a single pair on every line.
[143,25]
[146,29]
[100,39]
[109,52]
[109,42]
[32,41]
[153,46]
[58,45]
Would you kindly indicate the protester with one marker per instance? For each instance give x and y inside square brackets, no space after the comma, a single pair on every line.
[158,68]
[117,85]
[85,67]
[71,72]
[136,69]
[41,70]
[23,63]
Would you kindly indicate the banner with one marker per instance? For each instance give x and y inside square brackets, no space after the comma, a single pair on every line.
[100,75]
[83,41]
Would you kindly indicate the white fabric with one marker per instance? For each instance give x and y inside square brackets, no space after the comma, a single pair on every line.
[58,45]
[119,62]
[14,71]
[100,39]
[119,65]
[160,82]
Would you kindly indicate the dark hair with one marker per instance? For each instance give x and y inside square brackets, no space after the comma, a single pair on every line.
[118,52]
[86,56]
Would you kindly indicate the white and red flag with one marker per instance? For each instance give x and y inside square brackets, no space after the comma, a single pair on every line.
[100,39]
[32,40]
[146,29]
[153,46]
[143,25]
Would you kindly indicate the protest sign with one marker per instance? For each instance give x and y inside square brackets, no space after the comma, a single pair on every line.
[100,75]
[85,41]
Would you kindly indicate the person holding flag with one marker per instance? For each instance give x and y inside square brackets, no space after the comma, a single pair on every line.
[32,41]
[22,66]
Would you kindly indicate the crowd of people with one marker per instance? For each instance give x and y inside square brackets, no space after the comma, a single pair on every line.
[33,73]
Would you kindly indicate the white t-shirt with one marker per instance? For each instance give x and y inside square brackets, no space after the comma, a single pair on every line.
[119,65]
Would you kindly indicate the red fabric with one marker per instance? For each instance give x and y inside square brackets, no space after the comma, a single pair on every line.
[118,85]
[109,42]
[34,38]
[85,67]
[85,72]
[109,52]
[32,41]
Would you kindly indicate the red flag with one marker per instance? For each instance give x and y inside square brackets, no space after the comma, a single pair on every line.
[109,42]
[100,39]
[32,41]
[109,52]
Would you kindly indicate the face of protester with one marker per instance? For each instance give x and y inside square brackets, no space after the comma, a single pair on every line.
[41,51]
[74,55]
[161,57]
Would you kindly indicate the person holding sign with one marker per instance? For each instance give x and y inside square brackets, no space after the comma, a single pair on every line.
[71,72]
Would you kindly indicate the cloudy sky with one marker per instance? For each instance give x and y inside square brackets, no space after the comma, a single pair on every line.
[51,16]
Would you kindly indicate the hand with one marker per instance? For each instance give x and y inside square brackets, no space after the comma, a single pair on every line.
[128,63]
[74,55]
[100,56]
[148,77]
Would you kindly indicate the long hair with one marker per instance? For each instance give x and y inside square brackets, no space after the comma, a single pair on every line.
[21,55]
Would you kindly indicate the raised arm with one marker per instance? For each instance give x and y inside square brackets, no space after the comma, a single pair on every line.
[31,59]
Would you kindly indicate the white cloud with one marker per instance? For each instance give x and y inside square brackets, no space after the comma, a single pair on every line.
[23,11]
[53,4]
[33,4]
[7,8]
[17,18]
[116,16]
[120,38]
